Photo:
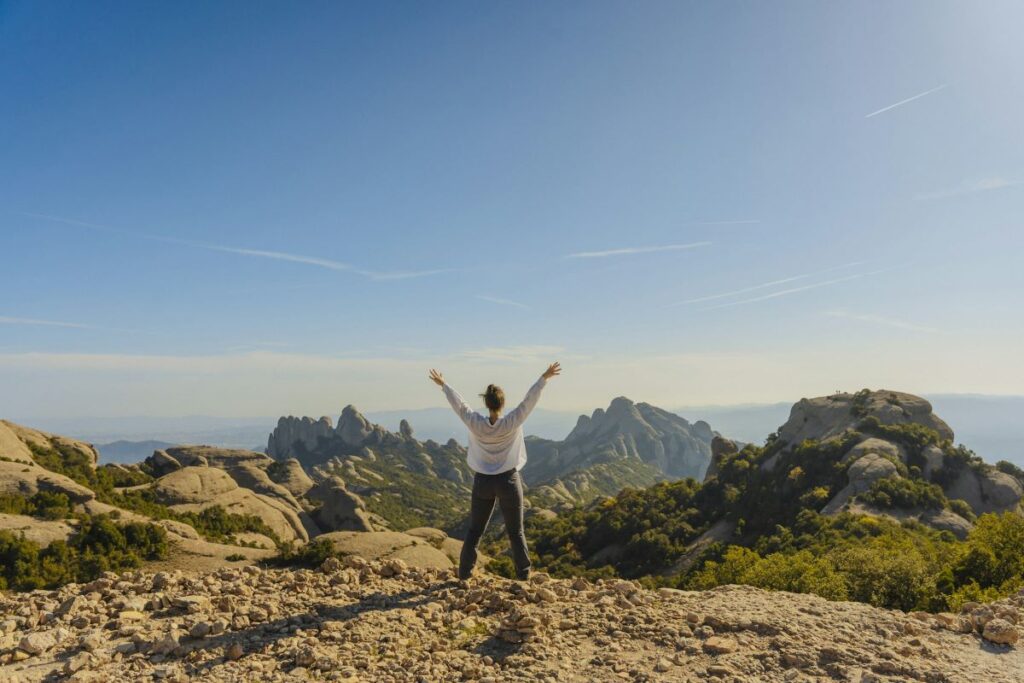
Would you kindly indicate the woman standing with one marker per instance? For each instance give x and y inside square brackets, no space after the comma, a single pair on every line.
[496,453]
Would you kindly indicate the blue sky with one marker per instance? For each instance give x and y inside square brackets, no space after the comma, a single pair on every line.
[249,209]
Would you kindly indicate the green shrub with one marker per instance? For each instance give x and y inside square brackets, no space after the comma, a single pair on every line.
[42,504]
[236,557]
[99,545]
[904,494]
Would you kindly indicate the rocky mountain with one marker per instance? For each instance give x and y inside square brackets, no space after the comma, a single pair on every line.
[890,435]
[629,444]
[857,496]
[359,620]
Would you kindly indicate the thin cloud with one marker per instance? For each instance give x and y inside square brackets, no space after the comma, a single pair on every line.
[795,290]
[745,222]
[257,253]
[6,320]
[765,285]
[909,99]
[879,320]
[277,255]
[531,353]
[970,187]
[502,302]
[626,251]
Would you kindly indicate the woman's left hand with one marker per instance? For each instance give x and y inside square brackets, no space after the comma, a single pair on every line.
[437,378]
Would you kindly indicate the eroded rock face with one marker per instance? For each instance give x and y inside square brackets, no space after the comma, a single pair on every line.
[26,479]
[290,475]
[829,416]
[987,490]
[17,440]
[295,434]
[340,510]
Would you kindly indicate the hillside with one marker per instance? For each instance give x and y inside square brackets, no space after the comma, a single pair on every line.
[412,482]
[357,621]
[852,492]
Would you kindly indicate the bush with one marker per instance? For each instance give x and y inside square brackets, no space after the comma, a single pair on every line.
[42,504]
[99,545]
[904,494]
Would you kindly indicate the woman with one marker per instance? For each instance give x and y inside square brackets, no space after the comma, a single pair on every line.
[496,454]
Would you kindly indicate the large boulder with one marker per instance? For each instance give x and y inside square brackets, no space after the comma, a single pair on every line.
[340,510]
[290,475]
[387,545]
[868,469]
[986,489]
[161,463]
[295,434]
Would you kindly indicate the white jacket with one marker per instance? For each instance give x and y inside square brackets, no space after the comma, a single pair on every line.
[498,447]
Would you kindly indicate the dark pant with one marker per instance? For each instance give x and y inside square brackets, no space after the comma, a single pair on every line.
[507,488]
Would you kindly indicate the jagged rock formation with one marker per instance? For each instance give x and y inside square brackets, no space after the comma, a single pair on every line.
[886,425]
[276,625]
[669,446]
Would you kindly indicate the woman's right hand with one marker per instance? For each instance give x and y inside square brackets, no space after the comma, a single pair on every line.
[553,370]
[437,378]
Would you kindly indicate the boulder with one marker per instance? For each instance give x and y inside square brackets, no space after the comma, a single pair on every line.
[296,434]
[986,489]
[161,463]
[290,475]
[861,475]
[875,445]
[387,545]
[15,442]
[340,510]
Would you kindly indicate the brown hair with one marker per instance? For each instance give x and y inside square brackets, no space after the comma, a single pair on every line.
[494,397]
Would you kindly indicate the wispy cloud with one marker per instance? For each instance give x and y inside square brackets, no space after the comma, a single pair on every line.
[316,261]
[909,99]
[879,320]
[795,290]
[502,302]
[626,251]
[277,255]
[743,222]
[6,320]
[971,187]
[764,285]
[531,353]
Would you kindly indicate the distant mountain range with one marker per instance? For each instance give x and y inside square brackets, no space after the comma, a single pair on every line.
[989,425]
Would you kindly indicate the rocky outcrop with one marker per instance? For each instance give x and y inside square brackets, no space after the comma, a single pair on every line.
[26,479]
[826,417]
[290,475]
[192,489]
[720,448]
[17,441]
[386,620]
[340,510]
[298,435]
[626,430]
[987,490]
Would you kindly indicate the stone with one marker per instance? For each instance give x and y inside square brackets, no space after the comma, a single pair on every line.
[720,645]
[1000,631]
[37,643]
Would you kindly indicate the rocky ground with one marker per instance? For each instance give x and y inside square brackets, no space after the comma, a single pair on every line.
[382,621]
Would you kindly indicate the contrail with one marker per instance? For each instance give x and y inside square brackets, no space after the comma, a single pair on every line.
[765,285]
[909,99]
[636,250]
[794,290]
[5,320]
[879,320]
[503,302]
[258,253]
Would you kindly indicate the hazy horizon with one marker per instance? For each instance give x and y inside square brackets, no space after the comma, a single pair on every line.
[253,210]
